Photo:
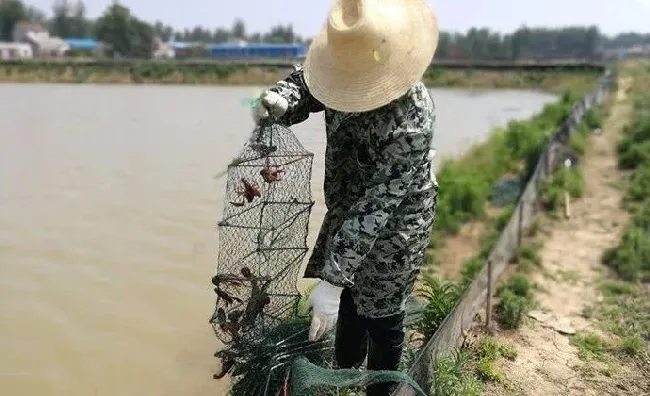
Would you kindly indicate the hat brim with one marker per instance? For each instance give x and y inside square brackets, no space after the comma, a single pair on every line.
[354,90]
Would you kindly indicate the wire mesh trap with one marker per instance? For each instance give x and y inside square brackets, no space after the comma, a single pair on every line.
[262,241]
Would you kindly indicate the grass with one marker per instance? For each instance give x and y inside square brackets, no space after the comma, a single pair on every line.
[590,346]
[462,372]
[625,311]
[467,182]
[516,300]
[487,354]
[554,188]
[175,72]
[554,81]
[453,375]
[624,318]
[631,258]
[467,190]
[440,297]
[624,314]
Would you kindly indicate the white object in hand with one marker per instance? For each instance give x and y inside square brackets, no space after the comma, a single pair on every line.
[324,303]
[270,103]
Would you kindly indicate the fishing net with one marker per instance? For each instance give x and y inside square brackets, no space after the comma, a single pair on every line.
[262,244]
[262,238]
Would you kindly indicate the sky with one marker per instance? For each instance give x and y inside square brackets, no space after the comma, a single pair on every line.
[308,16]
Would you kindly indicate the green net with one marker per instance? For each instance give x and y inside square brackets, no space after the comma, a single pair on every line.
[283,361]
[307,378]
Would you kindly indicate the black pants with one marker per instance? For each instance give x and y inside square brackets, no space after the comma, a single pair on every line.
[382,339]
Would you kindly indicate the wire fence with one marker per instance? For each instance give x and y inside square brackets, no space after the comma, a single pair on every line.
[450,333]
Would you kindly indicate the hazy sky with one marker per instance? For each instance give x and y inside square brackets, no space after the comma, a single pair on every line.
[307,16]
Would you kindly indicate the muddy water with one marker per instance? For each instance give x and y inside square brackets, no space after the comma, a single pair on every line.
[107,212]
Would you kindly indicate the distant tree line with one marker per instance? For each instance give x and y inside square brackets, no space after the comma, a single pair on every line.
[127,35]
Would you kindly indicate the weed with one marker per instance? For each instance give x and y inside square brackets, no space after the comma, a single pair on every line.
[594,118]
[452,375]
[553,189]
[632,346]
[528,257]
[639,187]
[631,258]
[516,300]
[487,353]
[568,276]
[590,347]
[440,297]
[625,310]
[490,348]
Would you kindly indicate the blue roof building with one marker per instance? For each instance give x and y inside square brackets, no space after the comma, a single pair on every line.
[82,43]
[251,51]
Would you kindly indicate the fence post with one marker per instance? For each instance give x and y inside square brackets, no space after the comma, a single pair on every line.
[488,308]
[522,202]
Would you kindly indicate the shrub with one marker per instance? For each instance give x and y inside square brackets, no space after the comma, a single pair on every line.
[563,180]
[640,186]
[516,301]
[440,297]
[452,375]
[594,118]
[631,258]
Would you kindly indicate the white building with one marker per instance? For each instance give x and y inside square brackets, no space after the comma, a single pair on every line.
[43,45]
[46,45]
[162,50]
[12,51]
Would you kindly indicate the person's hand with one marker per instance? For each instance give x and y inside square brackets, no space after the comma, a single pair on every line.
[270,103]
[324,303]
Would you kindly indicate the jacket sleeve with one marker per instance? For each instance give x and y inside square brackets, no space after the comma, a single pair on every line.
[401,145]
[301,102]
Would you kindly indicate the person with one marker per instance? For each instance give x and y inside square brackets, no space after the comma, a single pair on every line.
[364,72]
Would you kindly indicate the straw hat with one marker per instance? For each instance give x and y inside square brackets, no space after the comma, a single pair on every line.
[370,53]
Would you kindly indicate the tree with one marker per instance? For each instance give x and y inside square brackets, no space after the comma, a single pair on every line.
[124,34]
[80,26]
[11,12]
[61,21]
[239,29]
[35,15]
[163,31]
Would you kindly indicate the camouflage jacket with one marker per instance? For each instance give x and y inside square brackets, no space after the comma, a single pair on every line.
[380,195]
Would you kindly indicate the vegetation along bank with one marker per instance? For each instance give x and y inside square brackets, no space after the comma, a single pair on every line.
[586,329]
[471,196]
[565,323]
[212,73]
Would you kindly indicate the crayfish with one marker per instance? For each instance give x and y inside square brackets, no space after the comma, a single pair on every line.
[248,190]
[271,173]
[239,320]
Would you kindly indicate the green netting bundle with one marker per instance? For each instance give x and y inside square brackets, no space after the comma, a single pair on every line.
[284,362]
[263,364]
[307,378]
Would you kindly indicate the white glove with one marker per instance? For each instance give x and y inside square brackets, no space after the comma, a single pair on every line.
[324,302]
[270,104]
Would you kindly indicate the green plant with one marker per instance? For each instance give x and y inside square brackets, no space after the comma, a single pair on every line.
[632,346]
[590,346]
[439,297]
[553,189]
[594,118]
[487,354]
[631,258]
[452,375]
[639,186]
[516,300]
